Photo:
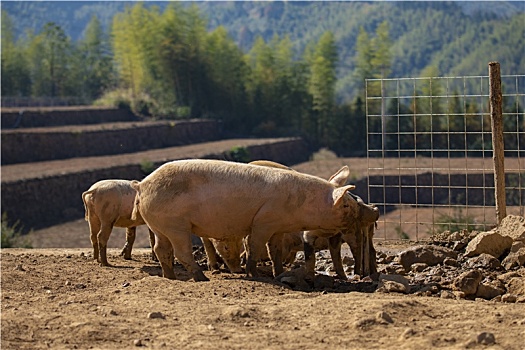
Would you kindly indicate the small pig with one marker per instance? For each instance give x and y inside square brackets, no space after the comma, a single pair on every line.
[109,203]
[227,200]
[229,251]
[292,242]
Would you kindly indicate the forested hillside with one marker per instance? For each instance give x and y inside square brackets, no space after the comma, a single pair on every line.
[458,38]
[263,68]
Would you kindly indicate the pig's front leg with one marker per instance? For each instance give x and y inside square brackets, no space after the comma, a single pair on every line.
[256,243]
[211,253]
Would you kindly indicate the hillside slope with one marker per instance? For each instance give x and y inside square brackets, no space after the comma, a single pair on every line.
[456,37]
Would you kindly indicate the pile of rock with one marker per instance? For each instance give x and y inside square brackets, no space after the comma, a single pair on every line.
[473,265]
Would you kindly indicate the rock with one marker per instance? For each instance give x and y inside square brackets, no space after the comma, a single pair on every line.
[506,277]
[418,267]
[459,245]
[437,271]
[237,312]
[516,286]
[459,294]
[396,278]
[384,258]
[384,318]
[323,282]
[514,259]
[484,261]
[430,255]
[517,245]
[489,291]
[160,315]
[348,261]
[294,278]
[486,338]
[407,333]
[19,267]
[393,268]
[391,287]
[468,282]
[490,242]
[365,323]
[137,342]
[455,236]
[289,280]
[513,226]
[450,262]
[509,298]
[446,294]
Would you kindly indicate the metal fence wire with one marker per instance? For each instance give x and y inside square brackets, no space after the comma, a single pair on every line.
[429,152]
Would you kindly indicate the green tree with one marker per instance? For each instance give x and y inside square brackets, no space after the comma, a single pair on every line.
[49,54]
[261,81]
[129,29]
[381,58]
[95,63]
[15,70]
[227,71]
[56,52]
[364,58]
[321,85]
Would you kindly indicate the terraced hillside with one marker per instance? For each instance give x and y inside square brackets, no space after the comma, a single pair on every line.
[49,167]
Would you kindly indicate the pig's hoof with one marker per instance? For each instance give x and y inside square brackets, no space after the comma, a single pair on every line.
[199,277]
[170,276]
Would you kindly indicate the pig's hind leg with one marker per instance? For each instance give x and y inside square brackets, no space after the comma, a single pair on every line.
[131,233]
[181,242]
[275,251]
[164,252]
[335,254]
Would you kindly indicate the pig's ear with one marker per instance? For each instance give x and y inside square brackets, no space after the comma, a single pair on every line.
[340,177]
[340,192]
[135,184]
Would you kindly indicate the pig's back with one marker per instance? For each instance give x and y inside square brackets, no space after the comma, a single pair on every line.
[191,176]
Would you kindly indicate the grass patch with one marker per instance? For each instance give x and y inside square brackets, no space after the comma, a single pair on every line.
[11,235]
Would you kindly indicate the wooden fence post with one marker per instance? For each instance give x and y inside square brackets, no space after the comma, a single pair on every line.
[498,147]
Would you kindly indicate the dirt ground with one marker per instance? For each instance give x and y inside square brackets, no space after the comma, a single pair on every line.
[57,297]
[62,299]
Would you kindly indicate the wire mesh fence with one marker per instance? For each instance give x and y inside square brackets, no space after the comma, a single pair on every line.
[429,153]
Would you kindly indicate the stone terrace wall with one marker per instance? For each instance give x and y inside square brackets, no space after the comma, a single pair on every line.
[458,189]
[51,200]
[42,144]
[58,116]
